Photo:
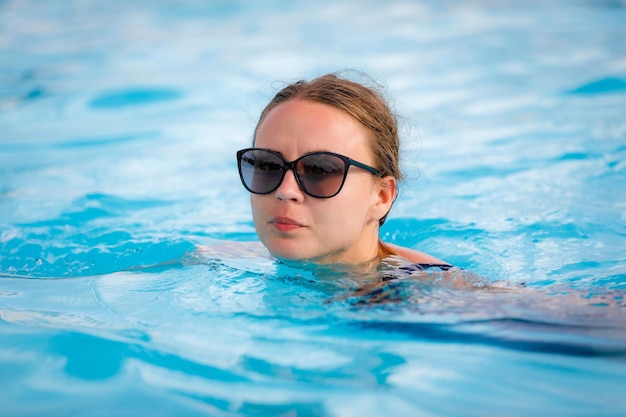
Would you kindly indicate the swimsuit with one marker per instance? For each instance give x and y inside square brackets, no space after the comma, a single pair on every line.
[408,269]
[421,267]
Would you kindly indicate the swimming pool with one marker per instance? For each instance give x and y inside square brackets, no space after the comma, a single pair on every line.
[119,125]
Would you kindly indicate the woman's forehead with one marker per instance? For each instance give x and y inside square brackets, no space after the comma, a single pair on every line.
[297,127]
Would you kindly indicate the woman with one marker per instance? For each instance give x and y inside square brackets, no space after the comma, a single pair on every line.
[323,174]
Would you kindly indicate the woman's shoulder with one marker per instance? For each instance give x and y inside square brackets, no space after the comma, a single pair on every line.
[405,263]
[416,256]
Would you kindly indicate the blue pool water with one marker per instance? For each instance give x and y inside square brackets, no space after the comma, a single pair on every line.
[118,126]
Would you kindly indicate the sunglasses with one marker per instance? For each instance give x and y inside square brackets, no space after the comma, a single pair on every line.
[318,174]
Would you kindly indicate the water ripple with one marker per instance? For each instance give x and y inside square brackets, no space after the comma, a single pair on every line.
[134,97]
[602,86]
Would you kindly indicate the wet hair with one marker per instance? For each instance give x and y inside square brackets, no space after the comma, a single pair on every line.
[364,104]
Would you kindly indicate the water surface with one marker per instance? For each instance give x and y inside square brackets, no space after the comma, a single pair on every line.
[119,125]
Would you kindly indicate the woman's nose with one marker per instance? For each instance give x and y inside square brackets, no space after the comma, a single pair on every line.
[289,188]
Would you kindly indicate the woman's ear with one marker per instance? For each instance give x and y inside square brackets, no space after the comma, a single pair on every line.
[388,190]
[386,196]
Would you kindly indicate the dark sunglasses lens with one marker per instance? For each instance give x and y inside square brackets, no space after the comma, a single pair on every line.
[261,171]
[321,175]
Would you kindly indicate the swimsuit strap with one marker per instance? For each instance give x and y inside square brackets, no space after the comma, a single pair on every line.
[406,270]
[421,267]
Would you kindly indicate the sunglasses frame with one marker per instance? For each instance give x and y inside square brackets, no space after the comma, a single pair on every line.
[291,165]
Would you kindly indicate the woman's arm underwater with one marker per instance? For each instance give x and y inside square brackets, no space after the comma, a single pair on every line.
[226,248]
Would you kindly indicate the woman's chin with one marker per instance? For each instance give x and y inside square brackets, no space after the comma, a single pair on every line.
[287,254]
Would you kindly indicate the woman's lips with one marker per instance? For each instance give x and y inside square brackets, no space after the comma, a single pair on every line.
[285,224]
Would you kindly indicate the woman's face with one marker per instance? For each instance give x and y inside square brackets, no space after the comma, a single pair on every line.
[296,226]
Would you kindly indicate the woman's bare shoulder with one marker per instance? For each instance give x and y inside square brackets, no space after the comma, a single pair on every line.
[414,255]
